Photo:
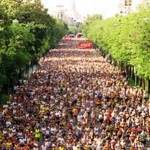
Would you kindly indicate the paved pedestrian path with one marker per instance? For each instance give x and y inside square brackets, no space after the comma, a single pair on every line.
[75,100]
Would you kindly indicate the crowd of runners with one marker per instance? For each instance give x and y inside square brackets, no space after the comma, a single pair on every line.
[75,100]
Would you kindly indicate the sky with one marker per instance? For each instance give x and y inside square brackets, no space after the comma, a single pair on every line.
[107,8]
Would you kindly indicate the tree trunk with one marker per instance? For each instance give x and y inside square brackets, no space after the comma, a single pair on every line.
[132,73]
[135,80]
[129,71]
[148,86]
[143,84]
[140,82]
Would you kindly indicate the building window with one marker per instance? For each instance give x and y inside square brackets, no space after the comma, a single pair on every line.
[128,2]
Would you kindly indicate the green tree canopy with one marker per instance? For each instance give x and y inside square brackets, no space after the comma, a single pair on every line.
[27,31]
[126,39]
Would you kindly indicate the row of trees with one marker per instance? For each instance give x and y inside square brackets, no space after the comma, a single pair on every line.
[27,31]
[126,39]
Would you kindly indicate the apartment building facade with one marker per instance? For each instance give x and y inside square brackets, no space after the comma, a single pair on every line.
[128,6]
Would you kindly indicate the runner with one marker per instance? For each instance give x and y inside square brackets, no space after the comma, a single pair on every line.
[75,100]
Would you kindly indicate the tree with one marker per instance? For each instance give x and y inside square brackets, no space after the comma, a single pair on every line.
[22,43]
[126,39]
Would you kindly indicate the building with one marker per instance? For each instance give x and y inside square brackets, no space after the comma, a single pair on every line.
[128,6]
[65,11]
[59,12]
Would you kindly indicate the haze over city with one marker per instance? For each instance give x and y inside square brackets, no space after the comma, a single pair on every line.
[107,8]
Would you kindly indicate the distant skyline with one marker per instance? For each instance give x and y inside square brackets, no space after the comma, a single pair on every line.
[107,8]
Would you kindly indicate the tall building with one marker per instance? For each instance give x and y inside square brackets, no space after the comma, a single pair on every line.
[73,12]
[128,6]
[59,12]
[125,7]
[65,11]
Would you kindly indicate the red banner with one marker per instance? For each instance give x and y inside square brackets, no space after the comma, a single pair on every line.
[85,45]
